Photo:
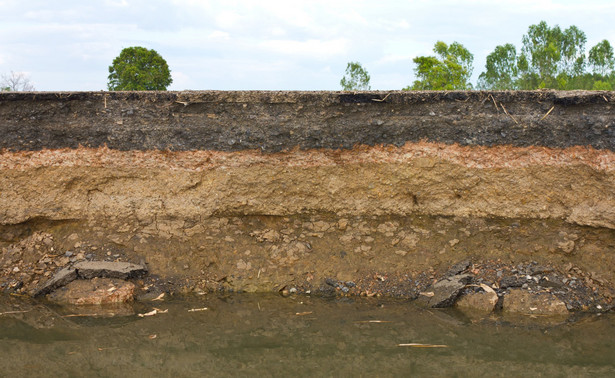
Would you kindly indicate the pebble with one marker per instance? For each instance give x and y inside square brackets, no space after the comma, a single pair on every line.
[525,286]
[293,290]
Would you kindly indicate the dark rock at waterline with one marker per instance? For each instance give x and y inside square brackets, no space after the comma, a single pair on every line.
[108,269]
[61,278]
[89,270]
[444,292]
[511,281]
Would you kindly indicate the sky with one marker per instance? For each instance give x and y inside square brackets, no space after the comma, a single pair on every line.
[68,45]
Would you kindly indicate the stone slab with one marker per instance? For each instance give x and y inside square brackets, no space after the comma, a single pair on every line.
[108,269]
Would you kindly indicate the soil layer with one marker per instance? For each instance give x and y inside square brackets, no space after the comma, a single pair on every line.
[276,121]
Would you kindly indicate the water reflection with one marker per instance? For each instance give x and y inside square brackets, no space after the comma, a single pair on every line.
[249,335]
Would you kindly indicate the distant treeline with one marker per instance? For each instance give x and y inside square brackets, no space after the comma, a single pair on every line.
[549,58]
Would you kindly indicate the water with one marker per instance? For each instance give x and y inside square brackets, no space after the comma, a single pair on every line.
[268,335]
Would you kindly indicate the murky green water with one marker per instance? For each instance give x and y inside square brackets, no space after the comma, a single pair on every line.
[256,335]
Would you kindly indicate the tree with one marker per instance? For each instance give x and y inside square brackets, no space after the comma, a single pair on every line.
[356,78]
[550,56]
[502,69]
[449,70]
[16,81]
[601,58]
[139,69]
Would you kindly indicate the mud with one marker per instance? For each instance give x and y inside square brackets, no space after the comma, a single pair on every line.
[333,193]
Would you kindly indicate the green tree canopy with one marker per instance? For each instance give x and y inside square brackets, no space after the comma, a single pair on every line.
[550,56]
[601,58]
[502,69]
[139,69]
[450,69]
[356,78]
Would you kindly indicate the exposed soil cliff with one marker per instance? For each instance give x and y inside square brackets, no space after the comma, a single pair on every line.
[251,190]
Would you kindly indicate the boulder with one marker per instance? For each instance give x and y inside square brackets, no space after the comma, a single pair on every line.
[479,302]
[444,293]
[524,302]
[97,291]
[88,270]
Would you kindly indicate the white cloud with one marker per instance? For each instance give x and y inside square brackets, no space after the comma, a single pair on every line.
[219,35]
[228,19]
[117,3]
[312,48]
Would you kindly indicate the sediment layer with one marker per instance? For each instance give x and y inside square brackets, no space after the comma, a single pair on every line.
[276,121]
[575,184]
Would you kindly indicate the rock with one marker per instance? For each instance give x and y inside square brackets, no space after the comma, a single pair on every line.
[539,269]
[108,269]
[567,246]
[61,278]
[98,291]
[511,281]
[480,302]
[331,282]
[522,301]
[444,292]
[458,268]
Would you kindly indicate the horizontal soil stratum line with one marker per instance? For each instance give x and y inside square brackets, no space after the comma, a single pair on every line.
[264,191]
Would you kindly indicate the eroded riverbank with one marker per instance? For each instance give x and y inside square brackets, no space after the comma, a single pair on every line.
[369,194]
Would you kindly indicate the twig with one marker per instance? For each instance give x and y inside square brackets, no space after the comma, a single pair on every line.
[373,321]
[159,298]
[605,99]
[198,309]
[494,103]
[418,345]
[14,312]
[80,315]
[549,112]
[508,114]
[381,100]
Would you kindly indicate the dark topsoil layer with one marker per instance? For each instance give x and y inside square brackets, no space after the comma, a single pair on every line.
[275,121]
